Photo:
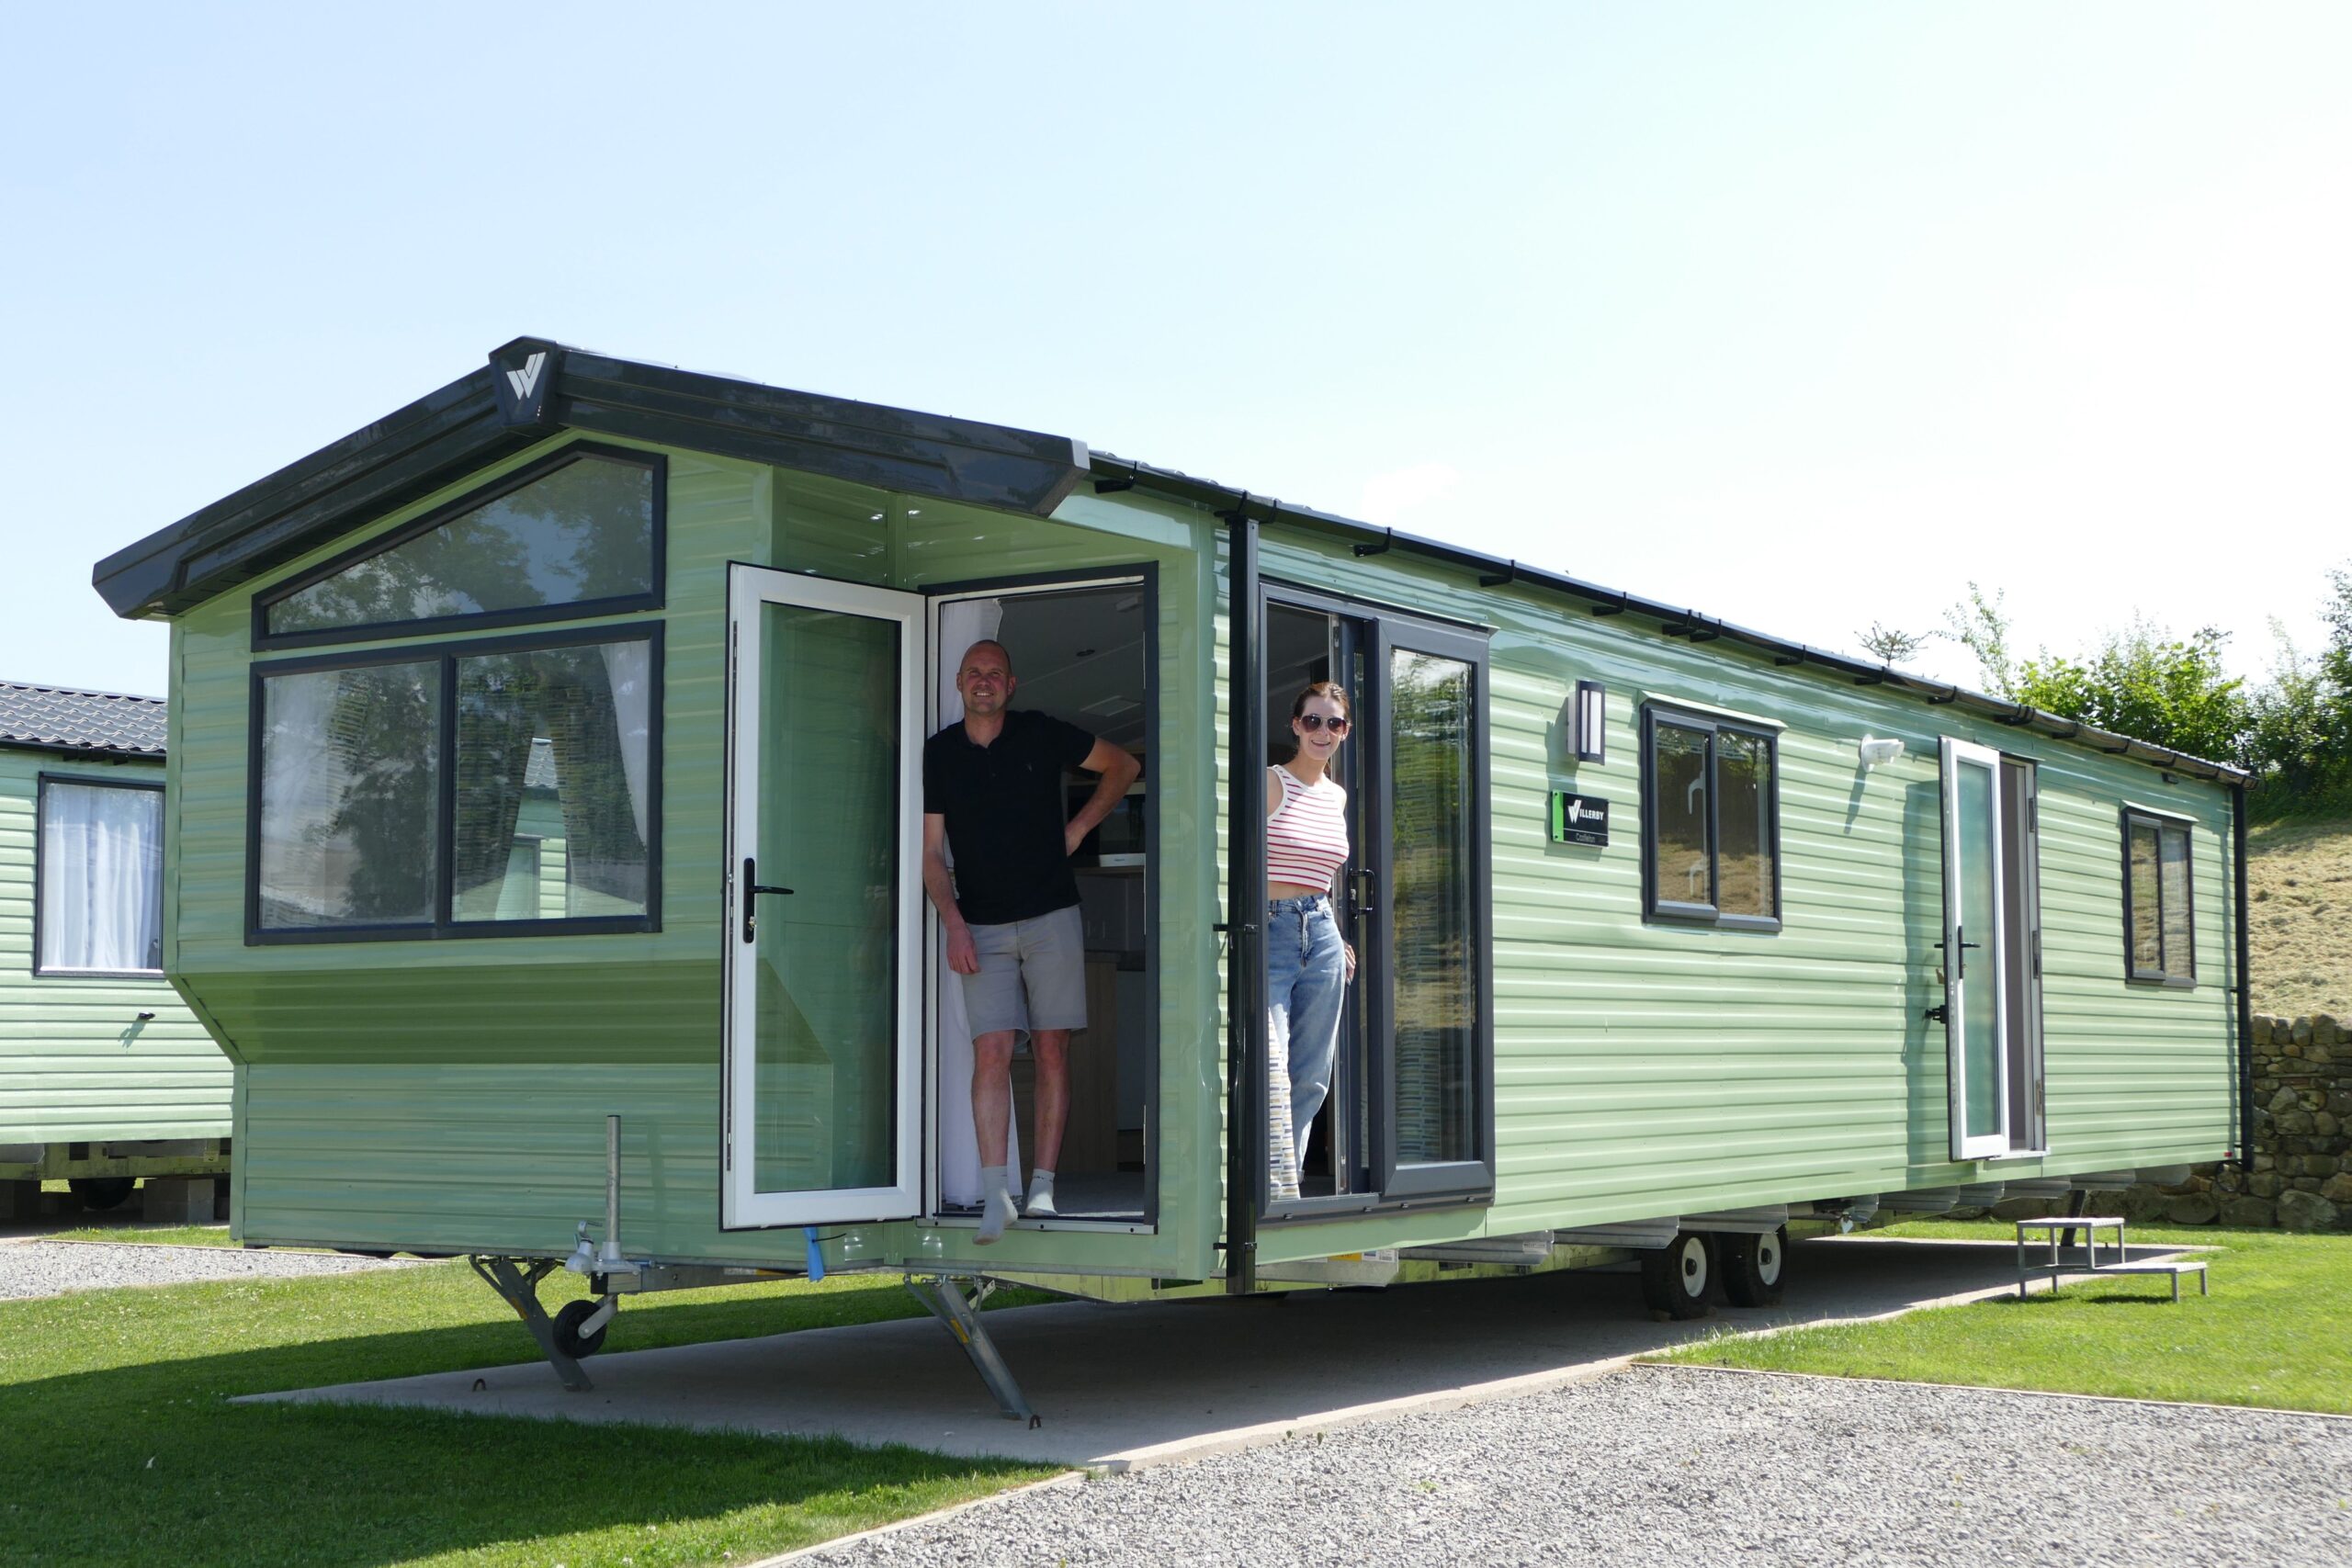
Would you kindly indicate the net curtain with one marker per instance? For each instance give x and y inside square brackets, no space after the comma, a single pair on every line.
[101,879]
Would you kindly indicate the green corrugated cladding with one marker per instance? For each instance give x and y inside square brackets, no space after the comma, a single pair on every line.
[1645,1070]
[76,1064]
[450,1095]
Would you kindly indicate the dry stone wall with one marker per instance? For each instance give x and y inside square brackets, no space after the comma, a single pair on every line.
[2301,1176]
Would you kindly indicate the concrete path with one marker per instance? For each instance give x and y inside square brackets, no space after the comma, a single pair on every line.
[1119,1387]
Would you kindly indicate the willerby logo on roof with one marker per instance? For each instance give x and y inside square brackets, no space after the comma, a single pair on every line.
[523,373]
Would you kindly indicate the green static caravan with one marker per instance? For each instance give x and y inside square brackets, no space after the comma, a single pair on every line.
[104,1075]
[545,831]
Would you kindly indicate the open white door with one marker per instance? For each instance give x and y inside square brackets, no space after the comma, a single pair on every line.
[1975,950]
[824,879]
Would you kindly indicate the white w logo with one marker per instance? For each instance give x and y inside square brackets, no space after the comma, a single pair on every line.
[526,379]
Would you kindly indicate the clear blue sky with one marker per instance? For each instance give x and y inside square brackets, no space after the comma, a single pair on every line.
[1800,315]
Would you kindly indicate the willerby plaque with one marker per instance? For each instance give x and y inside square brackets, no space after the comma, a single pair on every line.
[1579,819]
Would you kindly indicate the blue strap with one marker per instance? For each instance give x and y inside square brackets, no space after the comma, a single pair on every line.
[816,1254]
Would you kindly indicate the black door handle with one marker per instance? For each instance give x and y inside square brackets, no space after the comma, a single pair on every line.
[753,889]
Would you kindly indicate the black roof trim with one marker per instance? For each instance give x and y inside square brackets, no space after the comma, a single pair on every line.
[484,416]
[1672,621]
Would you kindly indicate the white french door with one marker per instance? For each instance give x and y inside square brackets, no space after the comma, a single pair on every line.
[824,918]
[1975,952]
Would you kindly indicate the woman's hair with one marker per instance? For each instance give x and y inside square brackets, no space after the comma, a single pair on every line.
[1331,690]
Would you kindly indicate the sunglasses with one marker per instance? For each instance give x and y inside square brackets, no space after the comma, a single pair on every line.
[1311,722]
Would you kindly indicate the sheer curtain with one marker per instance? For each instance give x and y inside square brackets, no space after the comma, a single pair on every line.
[960,625]
[630,667]
[101,877]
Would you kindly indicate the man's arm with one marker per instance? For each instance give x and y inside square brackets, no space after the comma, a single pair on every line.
[1118,771]
[937,881]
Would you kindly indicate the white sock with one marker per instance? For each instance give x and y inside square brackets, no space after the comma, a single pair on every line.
[997,1209]
[1041,1192]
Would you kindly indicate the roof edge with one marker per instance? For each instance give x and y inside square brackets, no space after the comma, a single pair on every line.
[533,389]
[1120,473]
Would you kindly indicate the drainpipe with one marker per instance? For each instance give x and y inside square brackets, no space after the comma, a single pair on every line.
[2245,985]
[1245,903]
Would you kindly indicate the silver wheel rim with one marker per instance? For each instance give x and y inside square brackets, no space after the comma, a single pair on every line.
[1768,1259]
[1694,1267]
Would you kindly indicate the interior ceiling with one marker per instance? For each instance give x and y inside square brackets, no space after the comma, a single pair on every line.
[1080,657]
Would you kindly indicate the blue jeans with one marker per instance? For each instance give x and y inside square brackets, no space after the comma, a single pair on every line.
[1306,978]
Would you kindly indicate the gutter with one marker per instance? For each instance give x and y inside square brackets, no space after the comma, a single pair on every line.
[2245,984]
[1119,473]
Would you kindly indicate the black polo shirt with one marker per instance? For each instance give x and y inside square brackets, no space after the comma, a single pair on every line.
[1006,815]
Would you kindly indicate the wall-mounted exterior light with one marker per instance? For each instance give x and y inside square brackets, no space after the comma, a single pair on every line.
[1592,741]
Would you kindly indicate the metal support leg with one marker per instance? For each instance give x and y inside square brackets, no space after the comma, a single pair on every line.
[961,1314]
[519,1288]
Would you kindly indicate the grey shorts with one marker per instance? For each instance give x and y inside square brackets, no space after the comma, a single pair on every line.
[1033,974]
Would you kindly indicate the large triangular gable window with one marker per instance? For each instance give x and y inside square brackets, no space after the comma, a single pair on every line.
[577,534]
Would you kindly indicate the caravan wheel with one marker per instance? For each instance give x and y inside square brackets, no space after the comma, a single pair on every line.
[1676,1279]
[1755,1267]
[101,1191]
[567,1330]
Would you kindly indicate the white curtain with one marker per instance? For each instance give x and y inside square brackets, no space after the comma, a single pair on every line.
[101,877]
[629,668]
[961,625]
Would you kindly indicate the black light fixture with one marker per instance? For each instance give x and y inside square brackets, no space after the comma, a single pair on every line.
[1592,741]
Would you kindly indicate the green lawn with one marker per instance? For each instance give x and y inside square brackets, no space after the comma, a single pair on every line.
[2273,1332]
[120,1445]
[172,1235]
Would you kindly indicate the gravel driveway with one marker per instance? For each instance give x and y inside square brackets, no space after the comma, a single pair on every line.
[1671,1467]
[50,1268]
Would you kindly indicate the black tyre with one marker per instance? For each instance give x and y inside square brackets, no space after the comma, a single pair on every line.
[1677,1279]
[567,1331]
[1755,1267]
[101,1191]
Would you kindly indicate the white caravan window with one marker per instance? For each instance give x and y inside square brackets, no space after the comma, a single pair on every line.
[101,898]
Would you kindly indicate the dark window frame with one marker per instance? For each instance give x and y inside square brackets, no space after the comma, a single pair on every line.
[657,465]
[1659,910]
[41,782]
[444,926]
[1380,629]
[2164,974]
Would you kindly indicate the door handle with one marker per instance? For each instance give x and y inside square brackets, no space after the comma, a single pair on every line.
[753,889]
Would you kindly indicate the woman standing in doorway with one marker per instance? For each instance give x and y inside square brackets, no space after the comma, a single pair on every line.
[1308,964]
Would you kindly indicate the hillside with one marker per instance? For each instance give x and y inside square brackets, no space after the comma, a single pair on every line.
[2299,887]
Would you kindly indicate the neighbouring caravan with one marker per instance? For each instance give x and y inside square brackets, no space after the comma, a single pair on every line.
[505,722]
[105,1077]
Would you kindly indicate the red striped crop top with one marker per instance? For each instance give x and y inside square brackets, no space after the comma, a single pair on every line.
[1307,837]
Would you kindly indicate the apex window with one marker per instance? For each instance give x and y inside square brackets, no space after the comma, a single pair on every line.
[579,534]
[1710,821]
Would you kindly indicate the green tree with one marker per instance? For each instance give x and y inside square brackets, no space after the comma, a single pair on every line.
[2147,684]
[1892,645]
[2299,732]
[1980,625]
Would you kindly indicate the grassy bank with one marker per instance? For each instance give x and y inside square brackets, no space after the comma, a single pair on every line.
[122,1446]
[2271,1334]
[2298,896]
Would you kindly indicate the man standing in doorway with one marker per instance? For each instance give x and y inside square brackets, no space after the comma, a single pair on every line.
[993,790]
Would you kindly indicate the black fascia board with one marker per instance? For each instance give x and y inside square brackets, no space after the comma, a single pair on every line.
[1225,499]
[442,437]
